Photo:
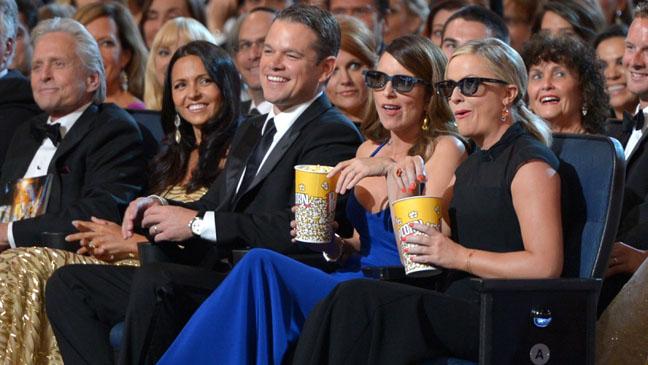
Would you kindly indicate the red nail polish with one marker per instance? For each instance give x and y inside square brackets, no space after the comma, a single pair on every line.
[411,224]
[420,178]
[403,190]
[404,238]
[406,250]
[412,186]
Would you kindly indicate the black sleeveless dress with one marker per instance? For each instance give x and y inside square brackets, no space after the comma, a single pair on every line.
[370,322]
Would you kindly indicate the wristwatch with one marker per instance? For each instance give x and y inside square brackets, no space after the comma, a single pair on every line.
[196,225]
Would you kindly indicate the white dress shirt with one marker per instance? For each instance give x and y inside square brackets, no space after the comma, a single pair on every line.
[43,156]
[636,135]
[264,107]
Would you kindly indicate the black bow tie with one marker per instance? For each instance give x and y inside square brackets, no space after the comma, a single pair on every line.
[639,120]
[51,131]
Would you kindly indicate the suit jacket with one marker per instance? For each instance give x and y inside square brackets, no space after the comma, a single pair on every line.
[260,216]
[16,107]
[97,170]
[633,229]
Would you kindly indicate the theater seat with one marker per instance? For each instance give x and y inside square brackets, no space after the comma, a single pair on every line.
[534,321]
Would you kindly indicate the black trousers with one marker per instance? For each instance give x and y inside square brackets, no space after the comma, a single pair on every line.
[85,301]
[373,322]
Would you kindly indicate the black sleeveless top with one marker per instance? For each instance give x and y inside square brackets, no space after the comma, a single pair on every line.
[481,211]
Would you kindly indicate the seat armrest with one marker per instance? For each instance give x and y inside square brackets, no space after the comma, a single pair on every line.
[526,319]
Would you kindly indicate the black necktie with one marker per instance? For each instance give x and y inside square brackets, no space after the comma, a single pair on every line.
[639,120]
[45,130]
[260,150]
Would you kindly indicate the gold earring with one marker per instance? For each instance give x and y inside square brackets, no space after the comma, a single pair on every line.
[504,115]
[425,124]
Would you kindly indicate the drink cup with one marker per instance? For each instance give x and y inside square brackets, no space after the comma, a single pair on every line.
[315,199]
[417,209]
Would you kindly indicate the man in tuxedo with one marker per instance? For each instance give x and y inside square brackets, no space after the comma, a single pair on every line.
[16,101]
[246,44]
[93,152]
[629,252]
[248,205]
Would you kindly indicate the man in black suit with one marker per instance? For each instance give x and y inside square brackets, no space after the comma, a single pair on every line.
[16,101]
[92,151]
[248,205]
[630,251]
[246,44]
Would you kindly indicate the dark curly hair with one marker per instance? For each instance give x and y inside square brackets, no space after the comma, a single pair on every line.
[170,167]
[581,59]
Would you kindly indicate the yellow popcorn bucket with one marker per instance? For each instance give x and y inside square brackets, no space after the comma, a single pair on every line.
[315,200]
[416,209]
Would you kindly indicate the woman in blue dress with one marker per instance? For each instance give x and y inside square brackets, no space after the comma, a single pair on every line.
[257,313]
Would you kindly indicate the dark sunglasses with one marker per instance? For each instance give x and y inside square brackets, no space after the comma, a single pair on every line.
[400,83]
[467,86]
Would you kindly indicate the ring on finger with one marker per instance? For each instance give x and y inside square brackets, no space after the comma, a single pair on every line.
[154,228]
[399,172]
[91,244]
[615,260]
[112,257]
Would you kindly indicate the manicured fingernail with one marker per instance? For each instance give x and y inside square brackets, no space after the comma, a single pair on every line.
[403,190]
[421,178]
[411,224]
[406,250]
[404,238]
[412,186]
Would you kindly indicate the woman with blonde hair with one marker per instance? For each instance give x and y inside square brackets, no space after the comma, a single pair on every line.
[122,50]
[503,219]
[346,88]
[174,34]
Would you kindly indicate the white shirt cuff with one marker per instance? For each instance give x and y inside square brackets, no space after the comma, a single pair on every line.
[10,237]
[209,227]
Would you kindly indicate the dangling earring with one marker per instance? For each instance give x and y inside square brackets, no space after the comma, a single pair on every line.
[617,16]
[504,115]
[176,123]
[425,127]
[584,110]
[123,80]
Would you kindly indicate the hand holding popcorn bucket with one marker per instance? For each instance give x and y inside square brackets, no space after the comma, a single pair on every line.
[315,200]
[416,209]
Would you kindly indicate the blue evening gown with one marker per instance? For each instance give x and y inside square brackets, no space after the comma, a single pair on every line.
[257,313]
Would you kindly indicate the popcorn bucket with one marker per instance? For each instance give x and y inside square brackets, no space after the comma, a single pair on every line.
[315,199]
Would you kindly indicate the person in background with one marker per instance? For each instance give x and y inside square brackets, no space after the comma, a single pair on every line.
[55,10]
[519,16]
[155,13]
[472,22]
[16,101]
[580,17]
[174,34]
[371,12]
[246,44]
[610,46]
[27,19]
[617,12]
[566,85]
[439,14]
[346,88]
[405,17]
[122,49]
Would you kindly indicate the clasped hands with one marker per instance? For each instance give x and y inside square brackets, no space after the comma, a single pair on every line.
[164,222]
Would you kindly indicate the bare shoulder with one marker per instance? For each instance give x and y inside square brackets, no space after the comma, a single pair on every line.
[367,148]
[448,145]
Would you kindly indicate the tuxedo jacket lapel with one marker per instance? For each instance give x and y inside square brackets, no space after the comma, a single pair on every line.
[636,151]
[319,106]
[74,136]
[241,151]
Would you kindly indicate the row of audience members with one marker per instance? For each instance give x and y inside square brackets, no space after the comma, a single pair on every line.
[403,116]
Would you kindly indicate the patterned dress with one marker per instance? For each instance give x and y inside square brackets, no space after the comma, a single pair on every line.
[26,336]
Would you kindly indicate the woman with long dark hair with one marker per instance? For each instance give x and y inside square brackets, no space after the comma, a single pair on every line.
[192,160]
